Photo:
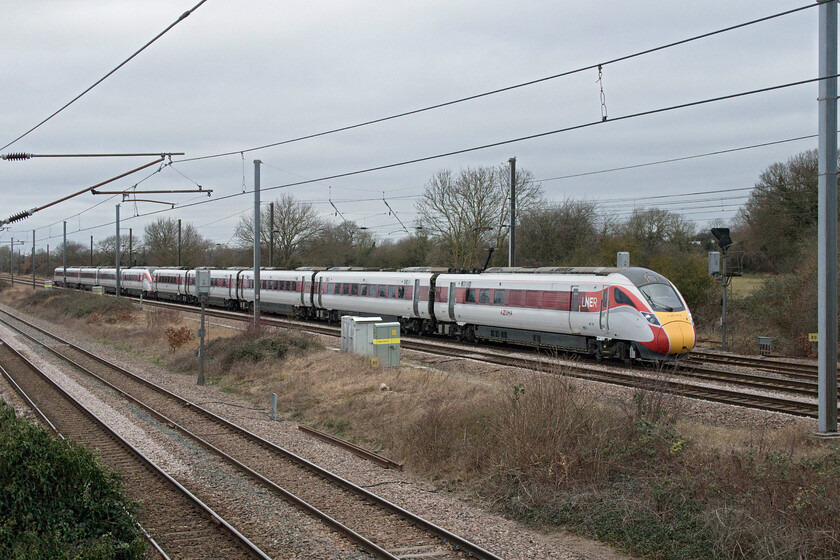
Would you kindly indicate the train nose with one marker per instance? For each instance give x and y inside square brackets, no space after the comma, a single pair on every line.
[676,337]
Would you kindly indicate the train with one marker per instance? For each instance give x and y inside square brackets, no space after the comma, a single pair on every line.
[627,313]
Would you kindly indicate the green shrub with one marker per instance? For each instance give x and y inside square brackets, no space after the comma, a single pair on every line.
[58,500]
[256,346]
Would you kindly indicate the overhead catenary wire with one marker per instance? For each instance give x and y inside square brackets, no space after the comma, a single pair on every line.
[673,160]
[509,141]
[106,76]
[597,65]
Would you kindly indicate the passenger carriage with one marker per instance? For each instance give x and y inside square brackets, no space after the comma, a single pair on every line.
[399,296]
[288,292]
[171,284]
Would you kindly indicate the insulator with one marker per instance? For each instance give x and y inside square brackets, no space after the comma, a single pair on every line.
[19,216]
[16,156]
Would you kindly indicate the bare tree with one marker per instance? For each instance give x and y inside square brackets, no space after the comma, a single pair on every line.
[654,230]
[560,235]
[343,244]
[295,223]
[471,211]
[161,244]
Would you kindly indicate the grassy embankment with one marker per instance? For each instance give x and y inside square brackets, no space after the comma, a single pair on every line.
[635,473]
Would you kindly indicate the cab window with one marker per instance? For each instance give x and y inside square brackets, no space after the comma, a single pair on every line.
[662,297]
[622,298]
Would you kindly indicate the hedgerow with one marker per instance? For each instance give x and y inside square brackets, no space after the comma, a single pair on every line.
[58,500]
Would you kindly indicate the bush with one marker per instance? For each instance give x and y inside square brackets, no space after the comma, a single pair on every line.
[255,346]
[59,501]
[178,337]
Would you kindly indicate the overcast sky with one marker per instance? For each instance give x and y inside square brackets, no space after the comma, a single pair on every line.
[240,74]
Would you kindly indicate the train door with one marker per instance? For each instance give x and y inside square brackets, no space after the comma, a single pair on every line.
[574,307]
[451,301]
[605,309]
[302,283]
[319,292]
[416,297]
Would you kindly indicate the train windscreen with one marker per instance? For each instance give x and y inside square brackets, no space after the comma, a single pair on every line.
[662,297]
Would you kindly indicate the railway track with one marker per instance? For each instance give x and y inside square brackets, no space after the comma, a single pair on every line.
[379,527]
[791,391]
[803,371]
[177,523]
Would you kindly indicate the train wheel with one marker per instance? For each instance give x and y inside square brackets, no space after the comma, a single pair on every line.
[622,352]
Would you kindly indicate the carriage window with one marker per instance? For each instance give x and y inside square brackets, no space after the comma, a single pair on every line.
[345,289]
[470,298]
[381,290]
[499,297]
[354,290]
[364,290]
[484,296]
[401,292]
[622,298]
[294,285]
[392,291]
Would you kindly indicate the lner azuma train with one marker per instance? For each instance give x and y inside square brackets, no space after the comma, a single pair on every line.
[625,313]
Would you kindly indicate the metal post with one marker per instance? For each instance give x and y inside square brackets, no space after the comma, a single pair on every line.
[33,259]
[130,249]
[201,345]
[827,221]
[723,281]
[271,235]
[512,250]
[64,256]
[179,242]
[91,250]
[117,245]
[274,406]
[49,272]
[257,243]
[12,261]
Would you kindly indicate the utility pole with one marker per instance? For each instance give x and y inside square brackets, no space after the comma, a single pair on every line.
[512,239]
[179,242]
[827,222]
[12,244]
[725,283]
[257,243]
[91,250]
[48,261]
[64,256]
[271,234]
[117,245]
[33,259]
[130,249]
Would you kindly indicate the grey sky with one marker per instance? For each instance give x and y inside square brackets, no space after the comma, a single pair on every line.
[239,74]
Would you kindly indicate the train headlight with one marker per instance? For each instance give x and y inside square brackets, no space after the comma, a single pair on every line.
[651,318]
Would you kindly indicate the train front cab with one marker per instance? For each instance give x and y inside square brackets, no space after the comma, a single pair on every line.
[670,320]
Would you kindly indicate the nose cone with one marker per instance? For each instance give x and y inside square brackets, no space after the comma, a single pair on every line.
[676,337]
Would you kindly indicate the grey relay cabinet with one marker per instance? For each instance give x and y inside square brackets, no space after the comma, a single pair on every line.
[369,336]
